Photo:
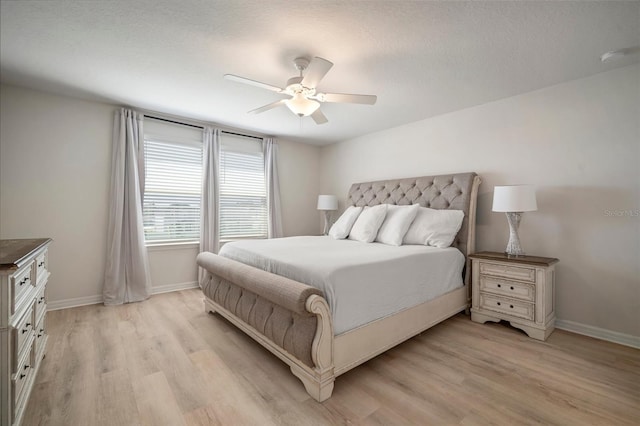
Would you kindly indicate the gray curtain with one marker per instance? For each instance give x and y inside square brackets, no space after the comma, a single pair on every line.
[209,233]
[270,150]
[126,277]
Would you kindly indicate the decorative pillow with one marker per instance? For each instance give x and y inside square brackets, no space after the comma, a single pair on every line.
[435,228]
[396,224]
[343,225]
[366,227]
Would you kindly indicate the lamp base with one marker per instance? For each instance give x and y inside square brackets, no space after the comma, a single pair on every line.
[327,218]
[513,246]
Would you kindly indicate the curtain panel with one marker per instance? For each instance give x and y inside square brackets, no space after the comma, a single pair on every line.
[126,277]
[209,211]
[274,214]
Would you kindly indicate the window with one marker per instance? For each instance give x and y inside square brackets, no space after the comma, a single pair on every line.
[173,185]
[173,180]
[243,192]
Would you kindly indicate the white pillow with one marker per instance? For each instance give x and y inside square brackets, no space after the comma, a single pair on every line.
[345,222]
[366,227]
[435,228]
[396,224]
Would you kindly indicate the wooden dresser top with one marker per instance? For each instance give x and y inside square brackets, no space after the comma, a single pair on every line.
[13,253]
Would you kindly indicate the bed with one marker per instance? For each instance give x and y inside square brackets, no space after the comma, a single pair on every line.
[303,324]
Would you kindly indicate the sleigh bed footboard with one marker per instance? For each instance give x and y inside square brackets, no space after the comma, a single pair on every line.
[287,317]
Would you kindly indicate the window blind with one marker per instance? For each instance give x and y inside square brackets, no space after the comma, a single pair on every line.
[173,180]
[243,193]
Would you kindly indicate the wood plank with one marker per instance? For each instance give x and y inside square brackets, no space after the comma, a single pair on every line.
[115,407]
[156,403]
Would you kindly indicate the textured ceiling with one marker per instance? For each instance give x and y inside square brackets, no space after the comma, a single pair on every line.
[421,58]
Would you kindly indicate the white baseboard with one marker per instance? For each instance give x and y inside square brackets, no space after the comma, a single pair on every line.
[599,333]
[174,287]
[54,305]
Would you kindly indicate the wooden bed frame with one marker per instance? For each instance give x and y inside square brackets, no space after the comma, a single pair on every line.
[233,289]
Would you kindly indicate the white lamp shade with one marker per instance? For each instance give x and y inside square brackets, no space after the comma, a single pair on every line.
[327,202]
[514,198]
[301,105]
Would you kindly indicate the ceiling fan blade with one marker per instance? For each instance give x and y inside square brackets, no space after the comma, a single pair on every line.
[267,107]
[250,82]
[317,69]
[319,117]
[347,98]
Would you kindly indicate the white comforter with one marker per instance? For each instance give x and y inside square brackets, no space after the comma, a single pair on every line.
[361,282]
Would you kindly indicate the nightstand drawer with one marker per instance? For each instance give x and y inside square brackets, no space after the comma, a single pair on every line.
[514,308]
[505,271]
[508,288]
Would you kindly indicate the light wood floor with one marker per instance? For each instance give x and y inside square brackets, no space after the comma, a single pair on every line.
[165,362]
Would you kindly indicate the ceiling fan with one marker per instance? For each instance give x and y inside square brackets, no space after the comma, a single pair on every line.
[305,99]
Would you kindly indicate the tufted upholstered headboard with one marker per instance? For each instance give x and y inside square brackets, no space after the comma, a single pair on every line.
[456,192]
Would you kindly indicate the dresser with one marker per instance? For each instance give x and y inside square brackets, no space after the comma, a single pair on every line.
[520,290]
[24,274]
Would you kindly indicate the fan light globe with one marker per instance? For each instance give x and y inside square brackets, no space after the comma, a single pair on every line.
[302,106]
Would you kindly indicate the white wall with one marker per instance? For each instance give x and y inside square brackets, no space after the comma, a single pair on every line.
[55,155]
[578,142]
[299,169]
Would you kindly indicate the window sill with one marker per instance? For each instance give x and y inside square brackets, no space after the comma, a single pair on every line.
[173,246]
[185,245]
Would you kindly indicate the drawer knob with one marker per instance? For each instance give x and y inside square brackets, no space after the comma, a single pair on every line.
[39,301]
[25,330]
[511,287]
[26,367]
[41,330]
[39,335]
[41,264]
[22,376]
[24,281]
[498,303]
[511,306]
[499,285]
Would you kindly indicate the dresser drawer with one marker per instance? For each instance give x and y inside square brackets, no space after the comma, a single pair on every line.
[508,288]
[21,284]
[41,332]
[42,266]
[514,308]
[40,303]
[21,378]
[23,332]
[506,271]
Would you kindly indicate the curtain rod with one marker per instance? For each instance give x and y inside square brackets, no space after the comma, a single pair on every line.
[199,127]
[240,134]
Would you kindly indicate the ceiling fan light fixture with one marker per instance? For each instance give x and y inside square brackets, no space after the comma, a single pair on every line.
[302,106]
[305,99]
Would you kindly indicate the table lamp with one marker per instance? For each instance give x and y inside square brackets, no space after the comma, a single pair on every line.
[513,200]
[327,203]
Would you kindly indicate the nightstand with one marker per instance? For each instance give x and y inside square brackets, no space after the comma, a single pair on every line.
[515,289]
